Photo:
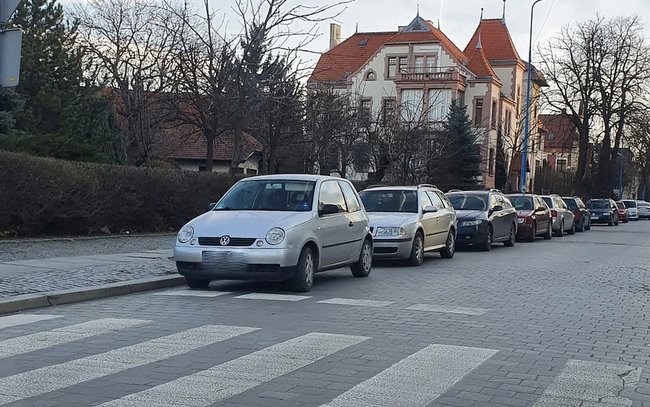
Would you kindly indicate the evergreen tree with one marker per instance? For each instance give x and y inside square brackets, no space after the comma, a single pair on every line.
[501,173]
[463,161]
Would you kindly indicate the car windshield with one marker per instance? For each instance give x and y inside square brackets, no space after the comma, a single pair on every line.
[467,202]
[571,203]
[598,205]
[644,204]
[268,195]
[548,201]
[390,201]
[630,204]
[620,205]
[522,203]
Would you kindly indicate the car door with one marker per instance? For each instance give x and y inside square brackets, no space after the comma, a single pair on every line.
[430,221]
[543,214]
[333,230]
[444,217]
[358,222]
[568,215]
[499,217]
[510,213]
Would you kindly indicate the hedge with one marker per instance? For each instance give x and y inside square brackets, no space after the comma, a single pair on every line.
[44,196]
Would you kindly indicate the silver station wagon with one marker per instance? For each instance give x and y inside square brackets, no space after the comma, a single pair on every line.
[276,228]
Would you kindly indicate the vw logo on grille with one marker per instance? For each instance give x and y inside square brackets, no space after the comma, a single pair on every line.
[224,241]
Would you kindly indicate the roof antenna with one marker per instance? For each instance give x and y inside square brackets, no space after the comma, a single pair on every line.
[504,12]
[481,13]
[440,17]
[356,29]
[418,10]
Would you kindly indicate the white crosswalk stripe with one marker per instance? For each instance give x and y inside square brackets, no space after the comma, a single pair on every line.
[447,309]
[193,293]
[55,377]
[239,375]
[59,336]
[22,319]
[583,383]
[273,297]
[357,303]
[416,380]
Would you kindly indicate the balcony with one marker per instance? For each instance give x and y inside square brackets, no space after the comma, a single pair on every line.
[428,74]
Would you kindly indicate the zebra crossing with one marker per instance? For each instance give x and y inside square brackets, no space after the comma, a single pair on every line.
[418,379]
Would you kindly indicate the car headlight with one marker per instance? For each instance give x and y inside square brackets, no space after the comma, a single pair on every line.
[390,231]
[275,236]
[185,234]
[471,222]
[521,220]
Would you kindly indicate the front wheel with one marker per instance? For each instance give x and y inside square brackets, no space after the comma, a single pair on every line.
[582,226]
[572,231]
[303,279]
[486,246]
[511,238]
[588,227]
[533,235]
[417,250]
[560,233]
[549,232]
[363,266]
[450,246]
[197,283]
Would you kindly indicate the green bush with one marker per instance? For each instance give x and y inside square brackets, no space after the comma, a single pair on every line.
[44,196]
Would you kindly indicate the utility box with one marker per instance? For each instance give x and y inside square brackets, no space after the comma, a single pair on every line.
[10,44]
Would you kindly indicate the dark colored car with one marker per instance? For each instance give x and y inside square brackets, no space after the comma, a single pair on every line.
[582,216]
[484,217]
[603,211]
[533,217]
[622,212]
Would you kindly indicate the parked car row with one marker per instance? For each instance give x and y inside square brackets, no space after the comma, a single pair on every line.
[289,227]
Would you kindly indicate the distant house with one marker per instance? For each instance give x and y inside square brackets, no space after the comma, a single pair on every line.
[420,68]
[560,141]
[187,148]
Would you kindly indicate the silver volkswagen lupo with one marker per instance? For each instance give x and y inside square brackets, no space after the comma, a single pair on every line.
[276,228]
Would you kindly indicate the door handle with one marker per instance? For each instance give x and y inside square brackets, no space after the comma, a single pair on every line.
[351,224]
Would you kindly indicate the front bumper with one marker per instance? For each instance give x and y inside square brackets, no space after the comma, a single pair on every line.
[604,218]
[268,264]
[467,235]
[392,247]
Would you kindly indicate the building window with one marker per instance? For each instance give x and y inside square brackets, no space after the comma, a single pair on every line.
[403,64]
[365,105]
[411,106]
[494,114]
[518,99]
[431,63]
[439,102]
[419,64]
[388,109]
[392,66]
[478,112]
[508,124]
[560,164]
[371,75]
[491,162]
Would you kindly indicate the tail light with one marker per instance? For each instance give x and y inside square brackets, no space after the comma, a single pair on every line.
[578,215]
[554,213]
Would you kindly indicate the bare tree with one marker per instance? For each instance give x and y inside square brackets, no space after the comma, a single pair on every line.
[128,47]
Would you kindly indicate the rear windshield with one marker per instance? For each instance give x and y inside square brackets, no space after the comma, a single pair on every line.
[548,201]
[522,203]
[468,202]
[598,205]
[630,204]
[620,205]
[644,204]
[571,203]
[390,201]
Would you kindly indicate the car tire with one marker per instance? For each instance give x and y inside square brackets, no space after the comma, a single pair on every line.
[486,246]
[363,266]
[610,222]
[511,237]
[303,279]
[417,250]
[588,226]
[449,250]
[582,226]
[197,283]
[549,232]
[560,233]
[572,231]
[533,235]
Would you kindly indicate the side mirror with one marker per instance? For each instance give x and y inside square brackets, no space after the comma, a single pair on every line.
[541,209]
[429,209]
[211,206]
[497,208]
[328,209]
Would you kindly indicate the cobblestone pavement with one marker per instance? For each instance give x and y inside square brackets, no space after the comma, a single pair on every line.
[28,249]
[551,323]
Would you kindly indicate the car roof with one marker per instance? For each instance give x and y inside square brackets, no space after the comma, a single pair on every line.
[469,193]
[398,188]
[293,177]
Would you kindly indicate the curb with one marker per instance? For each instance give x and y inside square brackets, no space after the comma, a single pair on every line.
[54,298]
[82,238]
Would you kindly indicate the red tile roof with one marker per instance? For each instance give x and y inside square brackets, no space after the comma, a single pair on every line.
[495,40]
[479,64]
[186,142]
[349,56]
[565,134]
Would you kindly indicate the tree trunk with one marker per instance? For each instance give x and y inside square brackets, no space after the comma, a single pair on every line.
[237,143]
[209,156]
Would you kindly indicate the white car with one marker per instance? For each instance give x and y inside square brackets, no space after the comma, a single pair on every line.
[276,228]
[406,222]
[632,211]
[643,208]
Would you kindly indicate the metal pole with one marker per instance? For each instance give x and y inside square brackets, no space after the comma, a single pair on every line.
[524,150]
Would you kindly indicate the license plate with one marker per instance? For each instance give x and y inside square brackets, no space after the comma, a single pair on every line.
[223,258]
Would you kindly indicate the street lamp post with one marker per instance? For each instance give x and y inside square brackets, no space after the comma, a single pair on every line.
[524,150]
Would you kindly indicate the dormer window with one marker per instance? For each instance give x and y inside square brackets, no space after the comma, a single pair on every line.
[371,75]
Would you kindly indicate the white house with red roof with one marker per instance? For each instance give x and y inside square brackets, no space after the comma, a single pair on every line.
[420,68]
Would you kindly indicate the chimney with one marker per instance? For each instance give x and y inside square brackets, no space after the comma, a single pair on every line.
[335,35]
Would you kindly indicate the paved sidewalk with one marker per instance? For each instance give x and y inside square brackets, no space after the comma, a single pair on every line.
[62,273]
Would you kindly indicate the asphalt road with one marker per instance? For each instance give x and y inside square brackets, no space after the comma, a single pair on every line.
[551,323]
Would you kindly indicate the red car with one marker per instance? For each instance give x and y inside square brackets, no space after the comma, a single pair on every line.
[533,217]
[622,212]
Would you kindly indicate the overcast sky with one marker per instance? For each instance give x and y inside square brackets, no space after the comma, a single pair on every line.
[460,17]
